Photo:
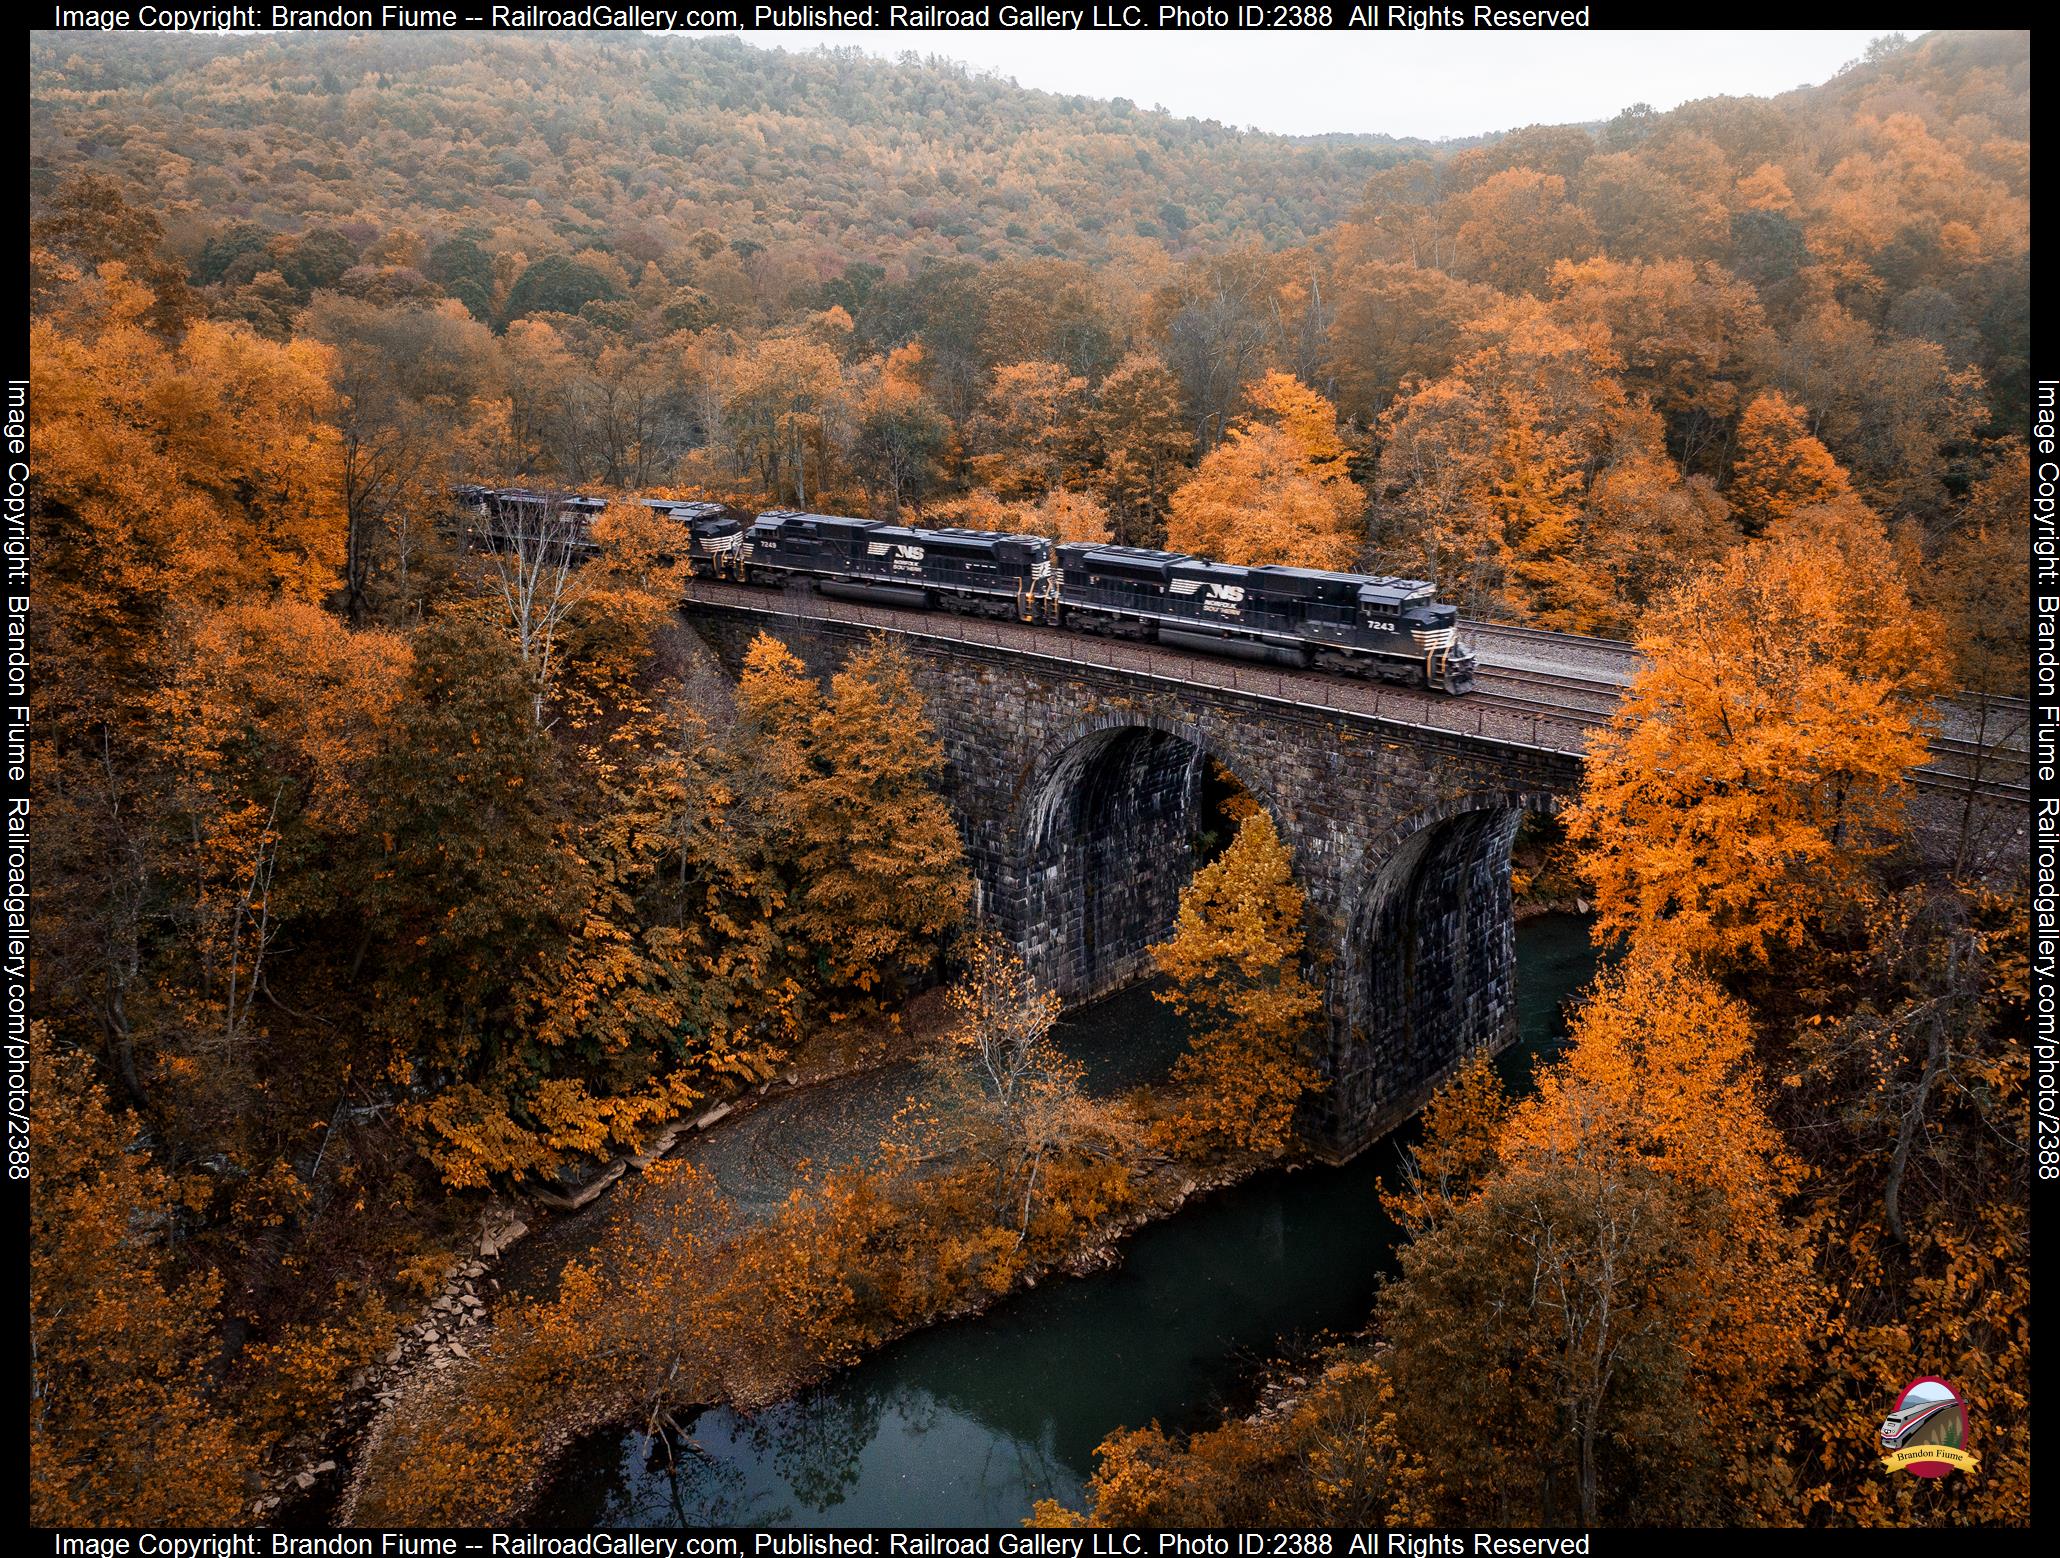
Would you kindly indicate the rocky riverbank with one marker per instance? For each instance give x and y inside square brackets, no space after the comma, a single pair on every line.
[523,1241]
[835,1117]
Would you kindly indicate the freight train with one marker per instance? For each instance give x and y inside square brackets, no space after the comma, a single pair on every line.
[1372,626]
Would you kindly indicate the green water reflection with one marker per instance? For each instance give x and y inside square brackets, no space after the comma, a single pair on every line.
[971,1423]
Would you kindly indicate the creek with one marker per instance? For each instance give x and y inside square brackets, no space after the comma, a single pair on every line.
[970,1423]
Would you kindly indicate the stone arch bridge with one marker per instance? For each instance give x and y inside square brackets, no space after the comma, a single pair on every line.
[1075,771]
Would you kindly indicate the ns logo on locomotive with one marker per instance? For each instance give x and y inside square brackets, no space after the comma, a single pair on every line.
[1361,625]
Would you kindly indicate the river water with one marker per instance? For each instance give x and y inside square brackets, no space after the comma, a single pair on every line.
[971,1423]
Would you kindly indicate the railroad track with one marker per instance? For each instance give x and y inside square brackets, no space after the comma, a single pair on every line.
[1958,784]
[1572,694]
[1552,709]
[1520,651]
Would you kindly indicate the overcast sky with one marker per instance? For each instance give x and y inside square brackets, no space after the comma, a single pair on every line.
[1427,84]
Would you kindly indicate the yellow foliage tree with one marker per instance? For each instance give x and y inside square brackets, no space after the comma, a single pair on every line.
[1234,966]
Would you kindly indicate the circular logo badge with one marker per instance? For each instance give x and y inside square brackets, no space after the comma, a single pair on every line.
[1925,1433]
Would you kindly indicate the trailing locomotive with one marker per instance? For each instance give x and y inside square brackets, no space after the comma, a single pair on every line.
[1359,625]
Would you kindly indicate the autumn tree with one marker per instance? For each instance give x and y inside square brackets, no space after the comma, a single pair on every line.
[1528,481]
[1462,1132]
[534,549]
[122,1424]
[1780,467]
[1510,229]
[1902,1073]
[1685,335]
[1333,1456]
[1561,1331]
[269,727]
[1972,580]
[1393,323]
[1011,1095]
[1276,490]
[878,872]
[1234,967]
[1214,325]
[466,879]
[89,223]
[409,384]
[1661,202]
[785,397]
[1059,515]
[175,478]
[1892,410]
[900,435]
[1759,756]
[1030,431]
[1144,444]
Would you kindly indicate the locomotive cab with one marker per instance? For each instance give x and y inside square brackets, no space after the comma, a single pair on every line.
[1416,623]
[715,541]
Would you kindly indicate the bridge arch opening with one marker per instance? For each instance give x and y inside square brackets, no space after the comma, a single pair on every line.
[1114,824]
[1430,972]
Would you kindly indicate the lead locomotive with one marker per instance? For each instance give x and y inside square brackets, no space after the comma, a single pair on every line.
[1357,624]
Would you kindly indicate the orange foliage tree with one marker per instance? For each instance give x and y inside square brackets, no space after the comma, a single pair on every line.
[879,874]
[121,1424]
[1528,482]
[1617,1278]
[1276,490]
[1335,1458]
[1759,756]
[1780,468]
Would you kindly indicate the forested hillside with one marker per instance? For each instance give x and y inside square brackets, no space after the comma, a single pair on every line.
[375,872]
[858,285]
[633,148]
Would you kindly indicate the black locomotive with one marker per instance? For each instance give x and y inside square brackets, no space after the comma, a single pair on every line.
[1360,625]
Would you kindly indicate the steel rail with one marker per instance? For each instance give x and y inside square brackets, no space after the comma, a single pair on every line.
[1507,719]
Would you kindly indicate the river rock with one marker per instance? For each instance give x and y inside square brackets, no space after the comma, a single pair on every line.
[498,1228]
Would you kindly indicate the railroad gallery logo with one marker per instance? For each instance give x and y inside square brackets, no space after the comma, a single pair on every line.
[1926,1431]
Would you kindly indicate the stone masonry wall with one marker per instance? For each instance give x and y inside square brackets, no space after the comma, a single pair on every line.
[1075,791]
